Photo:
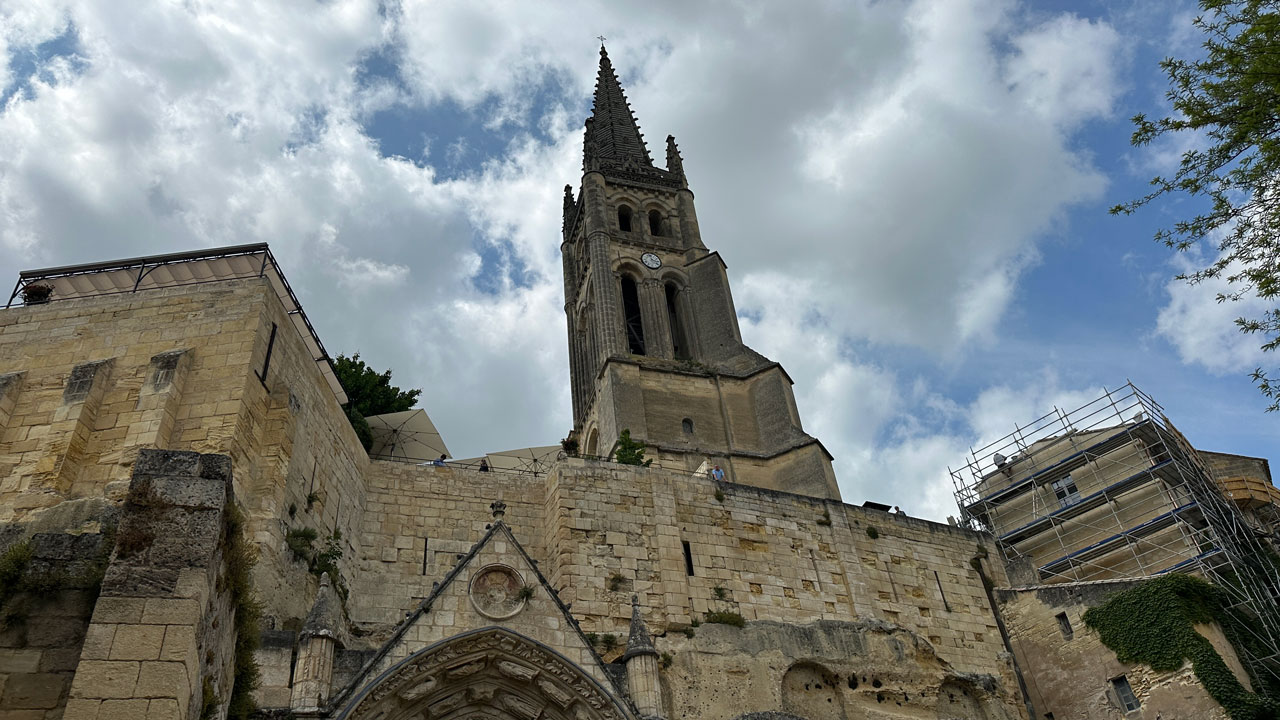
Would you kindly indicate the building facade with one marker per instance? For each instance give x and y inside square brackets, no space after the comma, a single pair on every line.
[191,528]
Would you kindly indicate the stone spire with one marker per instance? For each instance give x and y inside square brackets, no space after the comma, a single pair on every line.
[641,661]
[638,641]
[612,136]
[313,668]
[675,164]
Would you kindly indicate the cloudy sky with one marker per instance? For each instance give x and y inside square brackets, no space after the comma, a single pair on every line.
[911,196]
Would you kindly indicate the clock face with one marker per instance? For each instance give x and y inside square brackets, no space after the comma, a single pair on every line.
[651,261]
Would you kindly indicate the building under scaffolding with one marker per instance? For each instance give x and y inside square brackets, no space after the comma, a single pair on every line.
[1113,490]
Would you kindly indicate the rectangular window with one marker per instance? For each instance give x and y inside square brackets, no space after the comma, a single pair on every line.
[1064,489]
[1124,694]
[425,543]
[688,558]
[266,362]
[1064,624]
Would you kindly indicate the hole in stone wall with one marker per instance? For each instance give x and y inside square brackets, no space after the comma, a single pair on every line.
[624,218]
[687,426]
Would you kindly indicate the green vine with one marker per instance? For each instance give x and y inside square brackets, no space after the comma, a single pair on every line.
[1154,624]
[240,558]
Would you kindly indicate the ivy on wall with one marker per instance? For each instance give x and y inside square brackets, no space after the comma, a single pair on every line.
[1154,624]
[240,558]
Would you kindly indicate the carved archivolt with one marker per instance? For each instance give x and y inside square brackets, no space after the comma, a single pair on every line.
[491,673]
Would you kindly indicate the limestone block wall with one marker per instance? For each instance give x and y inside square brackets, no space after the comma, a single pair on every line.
[301,464]
[42,629]
[1068,671]
[420,519]
[87,397]
[89,382]
[164,625]
[773,556]
[602,531]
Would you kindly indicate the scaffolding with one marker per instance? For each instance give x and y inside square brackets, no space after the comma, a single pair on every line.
[1113,490]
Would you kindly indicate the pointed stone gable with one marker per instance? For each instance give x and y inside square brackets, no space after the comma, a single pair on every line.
[484,591]
[613,138]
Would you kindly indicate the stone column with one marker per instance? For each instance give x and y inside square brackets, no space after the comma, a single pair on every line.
[641,660]
[653,312]
[313,672]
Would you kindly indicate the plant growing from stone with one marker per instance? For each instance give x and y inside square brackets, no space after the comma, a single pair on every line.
[726,617]
[630,452]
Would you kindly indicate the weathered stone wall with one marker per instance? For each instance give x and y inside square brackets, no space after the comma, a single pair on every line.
[602,531]
[90,394]
[827,669]
[421,519]
[90,382]
[164,625]
[43,626]
[1069,672]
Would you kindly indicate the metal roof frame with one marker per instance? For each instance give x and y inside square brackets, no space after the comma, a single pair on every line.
[235,262]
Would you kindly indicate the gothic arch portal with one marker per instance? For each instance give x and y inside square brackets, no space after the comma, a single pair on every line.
[489,673]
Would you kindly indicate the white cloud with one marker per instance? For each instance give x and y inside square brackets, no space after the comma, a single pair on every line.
[1203,330]
[877,175]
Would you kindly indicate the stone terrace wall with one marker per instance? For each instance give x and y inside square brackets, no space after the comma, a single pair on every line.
[602,531]
[775,556]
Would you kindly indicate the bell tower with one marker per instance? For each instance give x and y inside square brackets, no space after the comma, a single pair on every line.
[654,344]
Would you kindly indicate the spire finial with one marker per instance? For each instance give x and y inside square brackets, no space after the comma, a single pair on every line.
[601,38]
[499,509]
[639,642]
[612,137]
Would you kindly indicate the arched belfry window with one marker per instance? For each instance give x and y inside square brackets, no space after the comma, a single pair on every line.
[655,223]
[631,316]
[679,342]
[624,218]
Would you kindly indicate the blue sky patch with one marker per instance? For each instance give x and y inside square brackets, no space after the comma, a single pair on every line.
[27,63]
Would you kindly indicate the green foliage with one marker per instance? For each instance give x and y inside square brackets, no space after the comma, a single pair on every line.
[312,499]
[361,426]
[369,393]
[689,631]
[630,452]
[240,558]
[1230,101]
[302,542]
[609,641]
[726,617]
[13,565]
[326,561]
[22,589]
[525,593]
[872,532]
[1154,624]
[719,592]
[593,639]
[209,700]
[667,660]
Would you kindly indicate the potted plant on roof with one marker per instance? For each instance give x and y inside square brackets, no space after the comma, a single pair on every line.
[36,293]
